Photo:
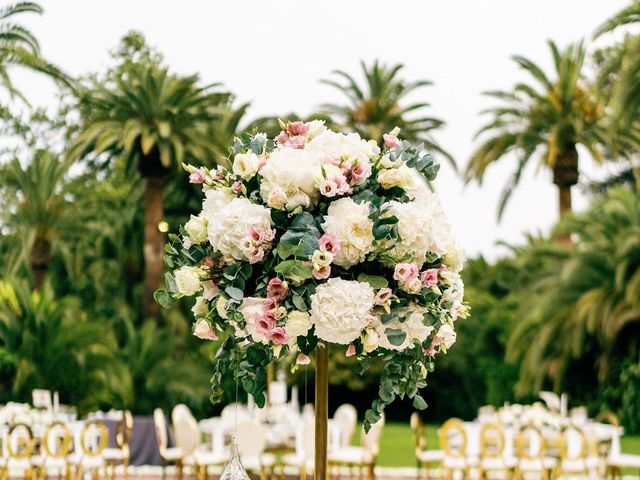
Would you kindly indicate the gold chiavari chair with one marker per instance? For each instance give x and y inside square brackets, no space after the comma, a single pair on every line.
[20,444]
[492,452]
[574,454]
[453,442]
[424,457]
[531,459]
[54,450]
[121,453]
[87,456]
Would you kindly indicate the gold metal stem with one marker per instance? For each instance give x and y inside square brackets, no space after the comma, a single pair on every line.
[322,411]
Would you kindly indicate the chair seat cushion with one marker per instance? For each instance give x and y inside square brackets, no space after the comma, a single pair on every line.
[296,460]
[624,460]
[173,454]
[254,462]
[430,455]
[352,454]
[537,465]
[113,454]
[210,458]
[498,463]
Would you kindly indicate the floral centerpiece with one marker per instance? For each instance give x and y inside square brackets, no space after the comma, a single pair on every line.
[317,236]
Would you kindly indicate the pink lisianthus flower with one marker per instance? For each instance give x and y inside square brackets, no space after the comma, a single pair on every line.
[278,335]
[329,243]
[198,176]
[257,235]
[277,289]
[391,141]
[236,187]
[383,296]
[297,128]
[282,138]
[351,350]
[405,272]
[270,234]
[207,262]
[296,142]
[265,323]
[328,188]
[303,359]
[322,273]
[256,256]
[429,277]
[342,185]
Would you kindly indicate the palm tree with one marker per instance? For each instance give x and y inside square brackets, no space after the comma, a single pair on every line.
[38,214]
[51,343]
[376,107]
[584,302]
[156,121]
[19,47]
[545,121]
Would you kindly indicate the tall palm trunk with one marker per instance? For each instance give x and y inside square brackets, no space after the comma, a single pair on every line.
[153,242]
[40,258]
[565,176]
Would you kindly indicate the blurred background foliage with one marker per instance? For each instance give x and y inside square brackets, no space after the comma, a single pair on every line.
[82,190]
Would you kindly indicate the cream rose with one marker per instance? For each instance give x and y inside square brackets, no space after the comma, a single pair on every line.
[349,222]
[447,335]
[196,228]
[203,330]
[246,165]
[188,280]
[200,308]
[339,309]
[298,324]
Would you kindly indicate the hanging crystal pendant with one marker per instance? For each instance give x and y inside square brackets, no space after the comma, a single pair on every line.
[234,469]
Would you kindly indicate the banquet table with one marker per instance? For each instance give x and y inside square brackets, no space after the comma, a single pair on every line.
[143,443]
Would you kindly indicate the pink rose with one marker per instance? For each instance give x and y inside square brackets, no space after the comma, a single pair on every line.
[429,277]
[236,187]
[265,323]
[383,296]
[282,137]
[391,141]
[329,243]
[197,176]
[351,350]
[298,142]
[278,335]
[442,268]
[277,289]
[303,359]
[297,128]
[405,272]
[322,273]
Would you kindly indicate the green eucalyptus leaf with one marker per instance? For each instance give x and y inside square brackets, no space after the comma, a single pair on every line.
[375,281]
[234,293]
[164,298]
[395,336]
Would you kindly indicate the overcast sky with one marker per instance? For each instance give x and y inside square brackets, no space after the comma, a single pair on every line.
[272,53]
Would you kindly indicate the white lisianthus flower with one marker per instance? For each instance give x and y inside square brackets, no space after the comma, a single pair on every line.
[246,165]
[196,228]
[298,324]
[455,257]
[229,226]
[349,222]
[386,162]
[200,308]
[422,227]
[215,201]
[447,335]
[291,173]
[252,308]
[455,294]
[316,127]
[371,340]
[188,280]
[413,326]
[339,309]
[210,289]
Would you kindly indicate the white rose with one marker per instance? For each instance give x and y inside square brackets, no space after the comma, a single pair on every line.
[389,178]
[246,165]
[349,222]
[200,308]
[339,309]
[413,326]
[277,199]
[447,334]
[203,330]
[292,173]
[196,228]
[230,225]
[188,280]
[298,324]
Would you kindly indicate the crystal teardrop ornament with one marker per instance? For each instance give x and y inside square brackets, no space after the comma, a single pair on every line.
[234,469]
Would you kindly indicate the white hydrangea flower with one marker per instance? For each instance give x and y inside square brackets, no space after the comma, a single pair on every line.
[339,309]
[413,326]
[215,201]
[289,178]
[228,226]
[349,222]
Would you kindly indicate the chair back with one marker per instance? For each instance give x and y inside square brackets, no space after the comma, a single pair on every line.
[491,441]
[608,418]
[252,439]
[453,438]
[573,444]
[371,440]
[346,417]
[56,442]
[160,423]
[530,443]
[123,430]
[417,431]
[185,429]
[20,441]
[230,411]
[306,439]
[94,438]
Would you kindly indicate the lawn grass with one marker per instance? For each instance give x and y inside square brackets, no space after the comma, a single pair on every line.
[397,450]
